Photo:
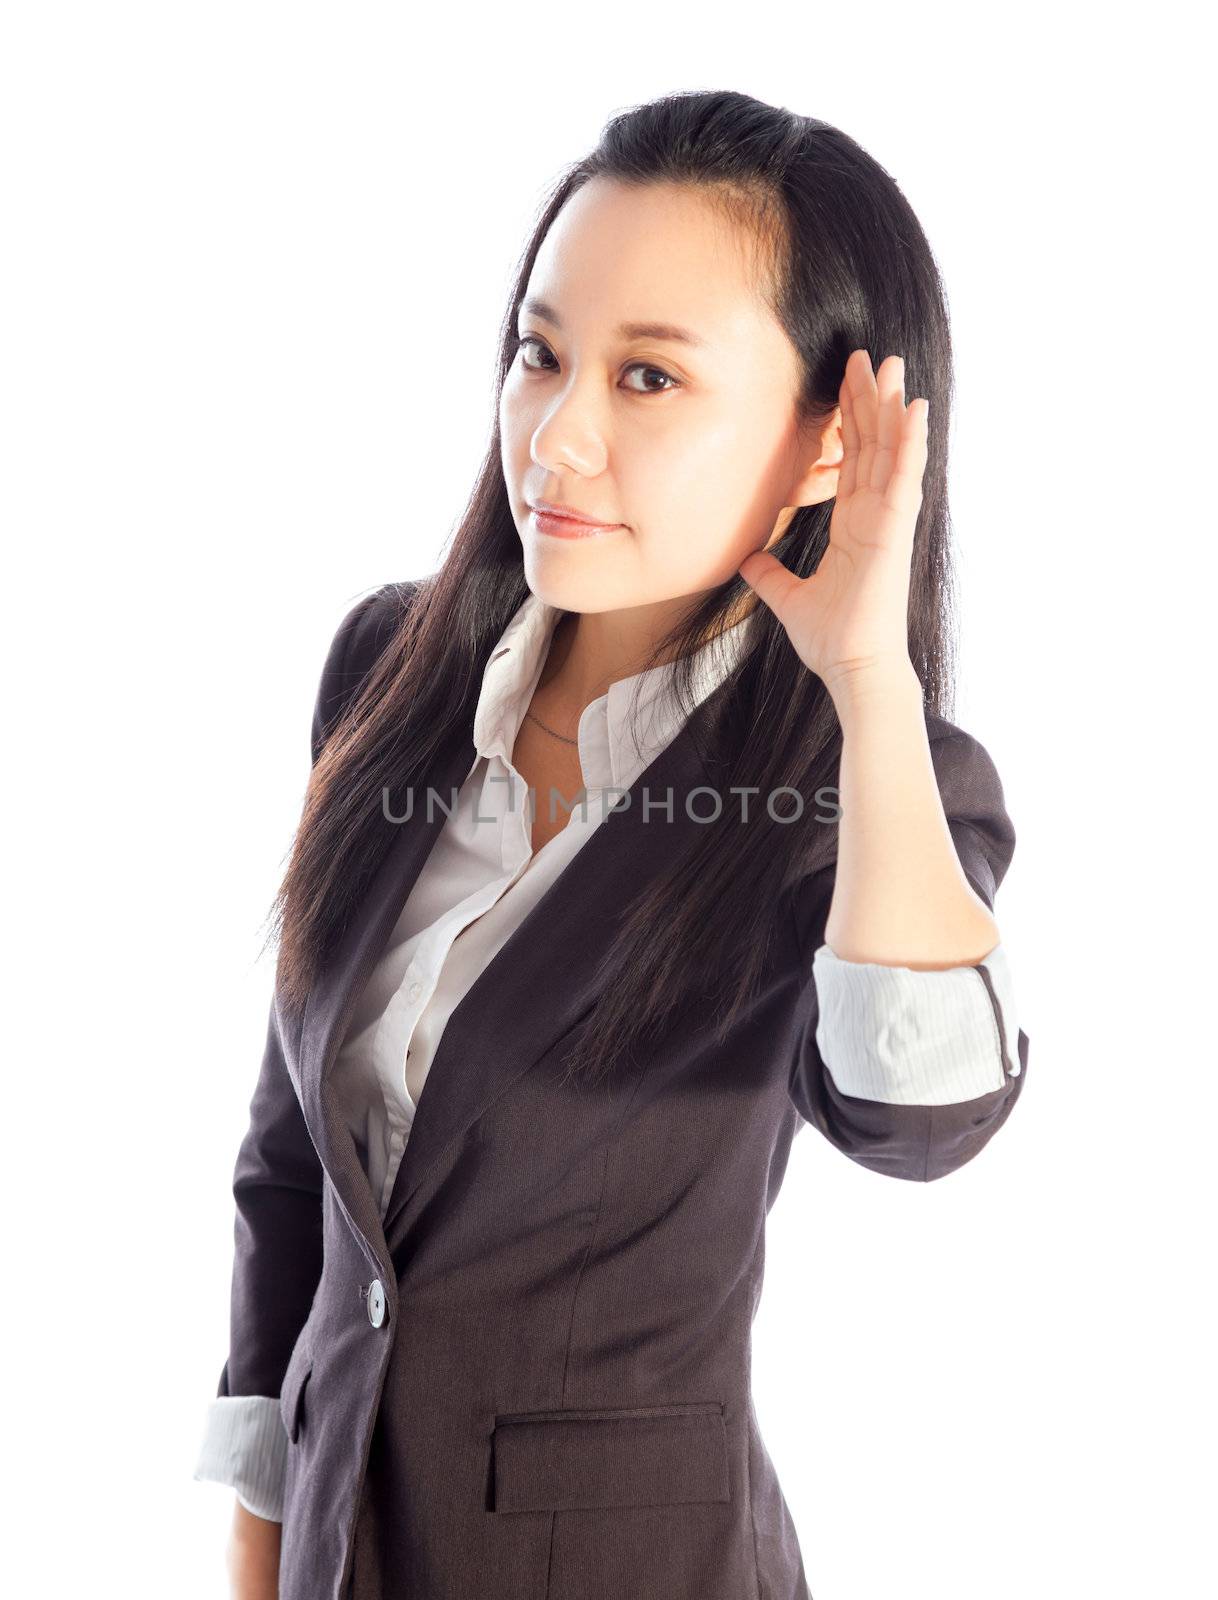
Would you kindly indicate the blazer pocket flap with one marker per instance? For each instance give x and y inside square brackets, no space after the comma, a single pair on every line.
[633,1456]
[300,1364]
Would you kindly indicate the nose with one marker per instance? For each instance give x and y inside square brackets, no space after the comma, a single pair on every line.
[571,435]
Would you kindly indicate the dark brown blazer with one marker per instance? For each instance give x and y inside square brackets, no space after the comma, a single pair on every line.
[531,1380]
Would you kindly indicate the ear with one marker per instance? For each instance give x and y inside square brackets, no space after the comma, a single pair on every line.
[823,459]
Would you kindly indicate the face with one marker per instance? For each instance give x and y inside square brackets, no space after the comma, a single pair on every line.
[689,445]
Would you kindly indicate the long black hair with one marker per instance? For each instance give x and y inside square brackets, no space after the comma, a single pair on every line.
[844,265]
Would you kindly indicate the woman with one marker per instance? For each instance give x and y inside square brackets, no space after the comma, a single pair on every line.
[534,1069]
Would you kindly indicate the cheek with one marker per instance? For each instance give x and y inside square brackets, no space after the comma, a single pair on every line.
[514,403]
[726,443]
[703,497]
[705,466]
[516,429]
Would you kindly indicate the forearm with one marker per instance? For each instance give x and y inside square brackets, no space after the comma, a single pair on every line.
[900,894]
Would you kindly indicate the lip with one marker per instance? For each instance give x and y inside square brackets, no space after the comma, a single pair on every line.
[566,524]
[557,510]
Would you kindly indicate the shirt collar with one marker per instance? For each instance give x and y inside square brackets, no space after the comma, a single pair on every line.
[621,731]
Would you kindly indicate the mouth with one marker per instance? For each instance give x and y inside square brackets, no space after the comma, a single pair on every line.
[559,526]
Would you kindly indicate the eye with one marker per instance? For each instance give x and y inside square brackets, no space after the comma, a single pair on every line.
[643,366]
[524,340]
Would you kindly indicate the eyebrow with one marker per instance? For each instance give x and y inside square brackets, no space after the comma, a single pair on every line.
[626,330]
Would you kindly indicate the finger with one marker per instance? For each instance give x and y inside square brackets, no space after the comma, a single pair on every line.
[890,425]
[773,583]
[863,394]
[903,492]
[847,473]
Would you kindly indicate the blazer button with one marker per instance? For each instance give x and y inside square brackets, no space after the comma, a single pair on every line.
[376,1303]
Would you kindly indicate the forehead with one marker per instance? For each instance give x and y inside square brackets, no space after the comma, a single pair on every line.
[648,255]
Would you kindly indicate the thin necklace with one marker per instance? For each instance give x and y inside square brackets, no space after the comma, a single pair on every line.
[542,725]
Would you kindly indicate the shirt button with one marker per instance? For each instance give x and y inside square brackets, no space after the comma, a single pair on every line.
[415,990]
[376,1303]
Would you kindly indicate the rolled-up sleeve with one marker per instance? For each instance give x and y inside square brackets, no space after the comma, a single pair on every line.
[914,1037]
[245,1446]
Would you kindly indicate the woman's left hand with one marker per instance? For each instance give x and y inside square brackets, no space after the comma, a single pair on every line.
[848,621]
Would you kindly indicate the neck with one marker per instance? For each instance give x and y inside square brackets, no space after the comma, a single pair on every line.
[592,650]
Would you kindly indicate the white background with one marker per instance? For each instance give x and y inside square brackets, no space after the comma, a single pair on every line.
[255,260]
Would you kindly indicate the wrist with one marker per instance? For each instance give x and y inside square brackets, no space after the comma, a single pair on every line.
[881,682]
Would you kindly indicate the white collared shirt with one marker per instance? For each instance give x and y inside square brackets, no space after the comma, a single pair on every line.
[885,1033]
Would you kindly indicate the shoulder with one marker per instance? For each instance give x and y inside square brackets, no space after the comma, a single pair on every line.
[372,622]
[357,644]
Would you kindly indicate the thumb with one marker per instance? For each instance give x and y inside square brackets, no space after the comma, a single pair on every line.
[769,580]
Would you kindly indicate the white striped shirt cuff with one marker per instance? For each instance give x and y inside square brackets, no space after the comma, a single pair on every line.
[245,1446]
[916,1038]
